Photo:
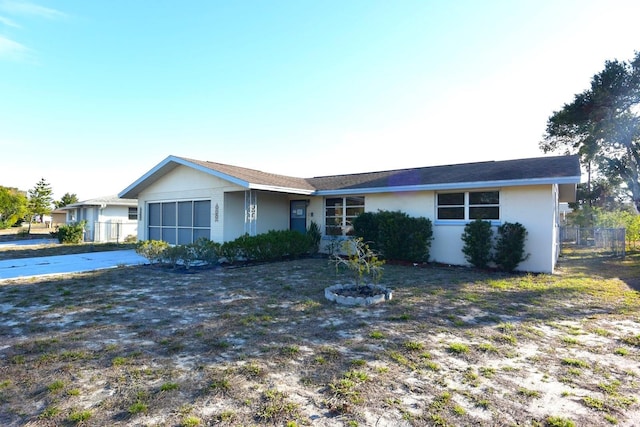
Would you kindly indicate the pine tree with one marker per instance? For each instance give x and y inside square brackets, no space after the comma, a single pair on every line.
[40,200]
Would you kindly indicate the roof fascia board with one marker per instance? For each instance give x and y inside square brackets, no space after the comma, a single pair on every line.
[281,189]
[452,186]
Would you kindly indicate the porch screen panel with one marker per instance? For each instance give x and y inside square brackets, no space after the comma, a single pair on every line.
[202,214]
[185,216]
[179,222]
[185,236]
[185,222]
[155,215]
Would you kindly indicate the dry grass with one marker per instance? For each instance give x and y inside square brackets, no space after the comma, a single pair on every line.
[260,345]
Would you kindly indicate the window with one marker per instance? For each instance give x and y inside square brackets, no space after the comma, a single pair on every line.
[339,214]
[469,205]
[179,222]
[133,214]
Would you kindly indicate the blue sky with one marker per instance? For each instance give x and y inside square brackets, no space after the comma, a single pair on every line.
[93,94]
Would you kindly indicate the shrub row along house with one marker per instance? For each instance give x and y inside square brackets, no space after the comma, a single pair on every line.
[181,200]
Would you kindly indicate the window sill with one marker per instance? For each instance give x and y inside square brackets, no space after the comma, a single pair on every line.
[459,222]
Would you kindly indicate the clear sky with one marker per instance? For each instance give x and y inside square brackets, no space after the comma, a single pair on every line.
[95,93]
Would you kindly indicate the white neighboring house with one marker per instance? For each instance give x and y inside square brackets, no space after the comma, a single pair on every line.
[181,200]
[109,219]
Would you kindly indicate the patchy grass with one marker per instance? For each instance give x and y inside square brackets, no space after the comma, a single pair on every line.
[260,345]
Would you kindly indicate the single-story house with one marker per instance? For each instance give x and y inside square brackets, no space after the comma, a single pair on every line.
[181,200]
[109,219]
[58,217]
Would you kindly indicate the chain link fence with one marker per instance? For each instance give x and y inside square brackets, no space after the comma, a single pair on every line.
[603,241]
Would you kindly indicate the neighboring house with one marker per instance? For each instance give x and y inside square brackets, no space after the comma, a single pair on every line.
[58,217]
[181,199]
[109,219]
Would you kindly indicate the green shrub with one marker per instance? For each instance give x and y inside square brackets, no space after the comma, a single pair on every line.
[271,246]
[314,235]
[509,250]
[395,235]
[206,251]
[153,250]
[477,238]
[179,255]
[72,232]
[231,251]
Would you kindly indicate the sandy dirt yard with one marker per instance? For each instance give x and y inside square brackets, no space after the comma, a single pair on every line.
[260,345]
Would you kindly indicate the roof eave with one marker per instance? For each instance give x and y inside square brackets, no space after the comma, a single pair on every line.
[289,190]
[452,186]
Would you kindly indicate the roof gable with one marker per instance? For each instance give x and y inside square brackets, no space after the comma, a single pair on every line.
[538,170]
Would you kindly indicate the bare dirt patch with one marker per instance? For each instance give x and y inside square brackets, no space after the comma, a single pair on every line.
[261,345]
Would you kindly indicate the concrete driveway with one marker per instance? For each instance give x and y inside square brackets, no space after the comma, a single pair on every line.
[59,264]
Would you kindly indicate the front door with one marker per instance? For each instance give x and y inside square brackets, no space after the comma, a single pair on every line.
[298,218]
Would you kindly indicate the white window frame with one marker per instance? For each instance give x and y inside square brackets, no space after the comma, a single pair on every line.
[133,213]
[467,206]
[344,215]
[177,228]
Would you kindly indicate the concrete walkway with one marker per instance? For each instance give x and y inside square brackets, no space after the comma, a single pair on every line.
[60,264]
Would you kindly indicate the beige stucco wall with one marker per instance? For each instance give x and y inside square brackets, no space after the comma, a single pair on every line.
[227,203]
[532,206]
[185,183]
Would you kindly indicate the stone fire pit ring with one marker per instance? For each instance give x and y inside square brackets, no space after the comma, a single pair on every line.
[381,294]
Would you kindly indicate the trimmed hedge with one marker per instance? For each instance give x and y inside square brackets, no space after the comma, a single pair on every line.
[271,246]
[395,235]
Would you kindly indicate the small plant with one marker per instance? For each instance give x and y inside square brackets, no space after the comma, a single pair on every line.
[276,407]
[55,387]
[78,417]
[360,260]
[558,422]
[191,421]
[621,351]
[528,393]
[574,362]
[376,335]
[289,350]
[458,348]
[49,412]
[413,345]
[138,408]
[169,386]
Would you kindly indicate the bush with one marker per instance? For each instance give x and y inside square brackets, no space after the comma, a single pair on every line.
[206,251]
[270,246]
[183,255]
[153,250]
[395,235]
[315,236]
[477,237]
[509,251]
[72,232]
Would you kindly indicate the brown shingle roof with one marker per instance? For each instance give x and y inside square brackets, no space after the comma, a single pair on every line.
[558,169]
[493,171]
[254,176]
